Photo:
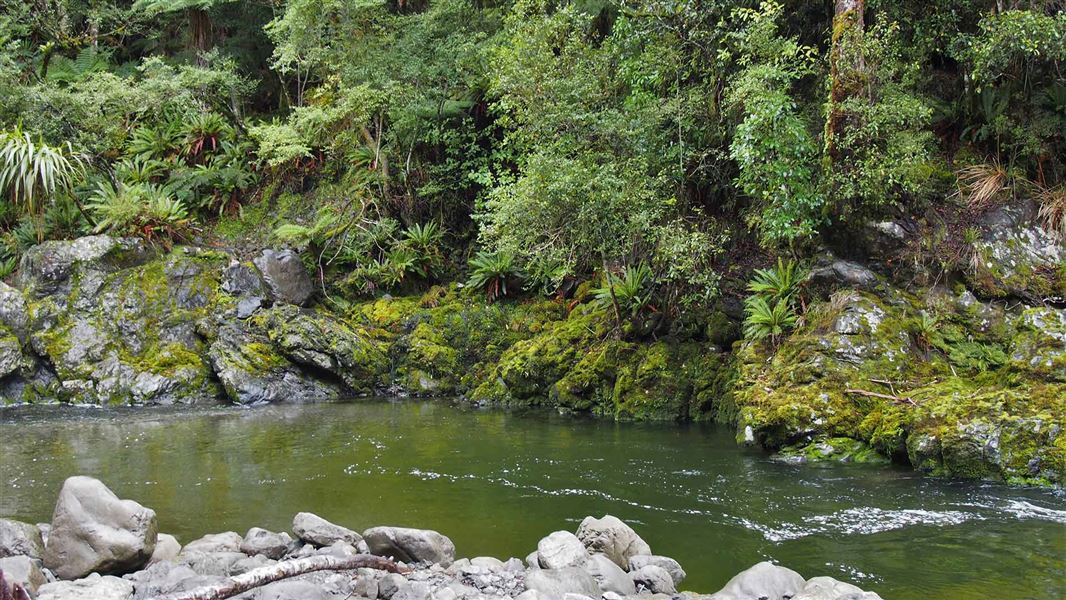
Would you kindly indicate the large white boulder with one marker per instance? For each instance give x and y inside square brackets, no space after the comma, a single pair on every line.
[561,549]
[410,545]
[610,536]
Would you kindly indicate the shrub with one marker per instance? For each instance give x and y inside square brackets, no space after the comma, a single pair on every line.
[768,321]
[146,210]
[30,169]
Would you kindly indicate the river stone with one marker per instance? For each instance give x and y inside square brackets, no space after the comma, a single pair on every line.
[488,562]
[763,580]
[561,549]
[11,359]
[410,545]
[18,539]
[338,549]
[313,529]
[24,571]
[677,574]
[533,560]
[166,578]
[269,544]
[167,548]
[229,541]
[609,576]
[827,588]
[654,579]
[94,531]
[389,585]
[292,590]
[554,583]
[285,276]
[216,564]
[612,537]
[93,587]
[249,563]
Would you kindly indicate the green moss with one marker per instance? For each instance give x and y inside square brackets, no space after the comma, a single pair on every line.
[837,449]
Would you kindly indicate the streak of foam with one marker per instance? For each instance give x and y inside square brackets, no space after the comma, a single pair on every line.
[858,521]
[1025,510]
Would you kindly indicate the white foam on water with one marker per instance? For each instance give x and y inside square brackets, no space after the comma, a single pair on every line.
[858,521]
[1026,510]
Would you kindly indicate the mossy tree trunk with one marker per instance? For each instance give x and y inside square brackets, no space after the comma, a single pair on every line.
[847,73]
[200,33]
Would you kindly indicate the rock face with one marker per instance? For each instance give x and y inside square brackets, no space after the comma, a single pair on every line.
[18,539]
[285,276]
[93,587]
[93,531]
[410,545]
[561,549]
[313,529]
[613,538]
[1017,257]
[764,580]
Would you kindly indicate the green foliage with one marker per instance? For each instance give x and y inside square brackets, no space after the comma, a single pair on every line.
[632,291]
[31,169]
[145,209]
[491,272]
[766,320]
[780,283]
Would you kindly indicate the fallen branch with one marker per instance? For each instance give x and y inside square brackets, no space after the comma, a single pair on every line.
[284,570]
[898,399]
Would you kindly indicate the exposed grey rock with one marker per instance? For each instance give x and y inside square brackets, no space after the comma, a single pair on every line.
[93,587]
[46,269]
[11,359]
[227,541]
[1013,247]
[533,560]
[24,571]
[94,531]
[215,564]
[242,279]
[410,545]
[490,563]
[554,583]
[249,563]
[285,276]
[609,576]
[654,579]
[313,529]
[167,548]
[268,543]
[292,590]
[413,590]
[762,581]
[389,585]
[247,306]
[677,574]
[18,538]
[827,588]
[561,549]
[338,549]
[610,536]
[166,578]
[13,312]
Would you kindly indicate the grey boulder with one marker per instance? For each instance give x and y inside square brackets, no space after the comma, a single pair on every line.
[609,576]
[285,276]
[167,548]
[20,539]
[228,541]
[827,588]
[762,581]
[410,545]
[24,571]
[555,583]
[292,590]
[269,544]
[93,531]
[561,549]
[672,566]
[93,587]
[654,579]
[313,529]
[13,311]
[610,536]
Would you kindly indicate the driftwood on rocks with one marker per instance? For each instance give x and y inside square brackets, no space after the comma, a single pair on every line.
[14,592]
[284,570]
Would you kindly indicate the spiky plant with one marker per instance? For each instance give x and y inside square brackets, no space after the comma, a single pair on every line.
[981,184]
[31,169]
[766,320]
[779,283]
[204,134]
[161,142]
[632,291]
[424,243]
[1053,208]
[491,272]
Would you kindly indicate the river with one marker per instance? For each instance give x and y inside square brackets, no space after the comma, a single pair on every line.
[497,481]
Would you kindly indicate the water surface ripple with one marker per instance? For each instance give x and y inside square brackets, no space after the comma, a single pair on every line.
[496,482]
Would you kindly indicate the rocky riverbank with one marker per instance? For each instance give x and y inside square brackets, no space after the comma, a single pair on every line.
[962,380]
[99,547]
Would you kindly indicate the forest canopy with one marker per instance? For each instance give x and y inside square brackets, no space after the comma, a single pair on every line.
[541,143]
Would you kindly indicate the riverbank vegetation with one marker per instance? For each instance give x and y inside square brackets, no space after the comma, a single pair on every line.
[814,221]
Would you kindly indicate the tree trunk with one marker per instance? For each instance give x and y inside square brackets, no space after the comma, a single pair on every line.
[283,570]
[847,68]
[199,33]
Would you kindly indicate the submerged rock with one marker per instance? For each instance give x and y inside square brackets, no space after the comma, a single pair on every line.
[93,531]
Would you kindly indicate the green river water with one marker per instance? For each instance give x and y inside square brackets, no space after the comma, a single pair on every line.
[496,482]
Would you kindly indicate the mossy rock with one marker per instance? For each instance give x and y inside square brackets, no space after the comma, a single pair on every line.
[838,449]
